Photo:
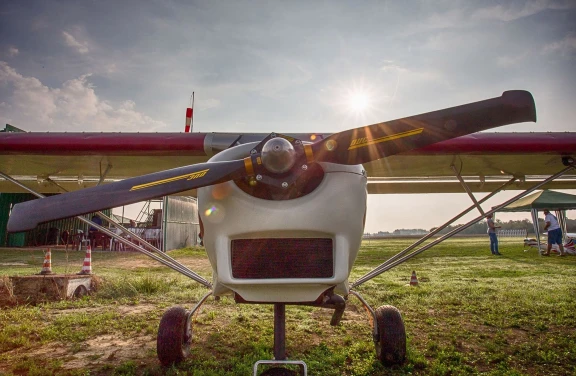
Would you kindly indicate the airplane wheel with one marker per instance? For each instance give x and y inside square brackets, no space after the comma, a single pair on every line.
[173,342]
[278,371]
[391,348]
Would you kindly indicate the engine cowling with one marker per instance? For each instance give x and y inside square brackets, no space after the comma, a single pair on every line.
[271,244]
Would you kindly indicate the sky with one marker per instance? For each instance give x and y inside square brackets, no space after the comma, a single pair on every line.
[284,66]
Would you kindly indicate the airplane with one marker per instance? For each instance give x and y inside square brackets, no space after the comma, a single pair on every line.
[282,215]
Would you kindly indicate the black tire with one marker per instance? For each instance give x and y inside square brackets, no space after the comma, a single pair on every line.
[173,342]
[278,371]
[391,348]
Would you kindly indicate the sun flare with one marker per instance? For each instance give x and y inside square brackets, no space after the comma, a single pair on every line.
[359,101]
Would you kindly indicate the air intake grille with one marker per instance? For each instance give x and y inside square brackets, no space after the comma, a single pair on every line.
[282,258]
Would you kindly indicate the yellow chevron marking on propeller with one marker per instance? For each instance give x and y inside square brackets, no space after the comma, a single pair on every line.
[191,176]
[363,141]
[309,153]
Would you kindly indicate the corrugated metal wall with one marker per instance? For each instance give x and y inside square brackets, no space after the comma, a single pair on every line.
[41,235]
[6,202]
[181,225]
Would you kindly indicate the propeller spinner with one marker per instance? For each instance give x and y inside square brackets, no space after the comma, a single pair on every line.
[278,155]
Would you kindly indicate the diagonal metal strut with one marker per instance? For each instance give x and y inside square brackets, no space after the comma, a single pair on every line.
[432,233]
[467,189]
[155,253]
[399,260]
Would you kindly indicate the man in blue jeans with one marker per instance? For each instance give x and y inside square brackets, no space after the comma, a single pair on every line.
[554,233]
[492,234]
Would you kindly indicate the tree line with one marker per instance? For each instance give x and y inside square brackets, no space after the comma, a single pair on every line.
[525,224]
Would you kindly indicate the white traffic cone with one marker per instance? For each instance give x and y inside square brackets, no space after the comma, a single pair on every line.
[413,279]
[47,266]
[87,266]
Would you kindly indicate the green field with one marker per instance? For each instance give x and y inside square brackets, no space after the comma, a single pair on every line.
[472,313]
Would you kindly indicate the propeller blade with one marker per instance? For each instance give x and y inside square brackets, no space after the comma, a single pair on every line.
[27,215]
[365,144]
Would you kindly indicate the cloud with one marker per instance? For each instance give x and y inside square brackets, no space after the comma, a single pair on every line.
[391,66]
[508,61]
[206,104]
[13,51]
[71,41]
[513,10]
[447,19]
[73,107]
[565,47]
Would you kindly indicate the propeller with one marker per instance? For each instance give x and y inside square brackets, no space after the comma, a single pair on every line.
[365,144]
[27,215]
[354,146]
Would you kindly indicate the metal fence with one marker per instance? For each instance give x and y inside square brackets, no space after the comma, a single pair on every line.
[516,233]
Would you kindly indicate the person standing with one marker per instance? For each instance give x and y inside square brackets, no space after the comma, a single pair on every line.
[93,231]
[554,232]
[492,234]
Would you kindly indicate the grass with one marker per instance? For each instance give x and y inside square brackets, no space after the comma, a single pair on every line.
[472,313]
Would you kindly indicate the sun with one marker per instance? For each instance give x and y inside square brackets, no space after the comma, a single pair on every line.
[359,101]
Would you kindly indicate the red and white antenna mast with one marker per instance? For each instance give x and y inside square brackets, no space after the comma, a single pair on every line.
[190,116]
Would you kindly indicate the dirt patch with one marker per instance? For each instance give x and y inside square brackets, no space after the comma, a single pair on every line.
[136,309]
[112,350]
[95,353]
[13,264]
[122,309]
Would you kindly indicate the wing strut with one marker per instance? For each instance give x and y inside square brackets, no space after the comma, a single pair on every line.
[154,252]
[467,189]
[398,259]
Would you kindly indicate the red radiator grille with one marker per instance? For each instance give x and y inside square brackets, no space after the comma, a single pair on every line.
[282,258]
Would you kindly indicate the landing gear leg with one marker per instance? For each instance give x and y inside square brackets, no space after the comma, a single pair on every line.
[280,348]
[280,331]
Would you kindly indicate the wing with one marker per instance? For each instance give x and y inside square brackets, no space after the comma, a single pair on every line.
[485,160]
[58,162]
[78,160]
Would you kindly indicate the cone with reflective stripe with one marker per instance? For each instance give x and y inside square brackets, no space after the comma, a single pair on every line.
[47,266]
[87,266]
[413,279]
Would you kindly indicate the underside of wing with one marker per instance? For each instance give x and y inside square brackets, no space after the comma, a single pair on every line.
[484,160]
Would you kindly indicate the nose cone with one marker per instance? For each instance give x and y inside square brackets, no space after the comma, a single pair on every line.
[278,155]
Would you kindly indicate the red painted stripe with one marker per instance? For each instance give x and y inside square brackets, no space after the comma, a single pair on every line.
[193,144]
[187,128]
[188,112]
[103,143]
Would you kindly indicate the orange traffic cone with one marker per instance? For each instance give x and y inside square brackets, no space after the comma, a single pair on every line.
[47,266]
[413,279]
[87,266]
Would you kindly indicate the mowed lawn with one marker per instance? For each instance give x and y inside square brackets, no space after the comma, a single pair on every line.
[472,313]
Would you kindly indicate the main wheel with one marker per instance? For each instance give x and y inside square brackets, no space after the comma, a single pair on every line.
[391,347]
[174,337]
[278,371]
